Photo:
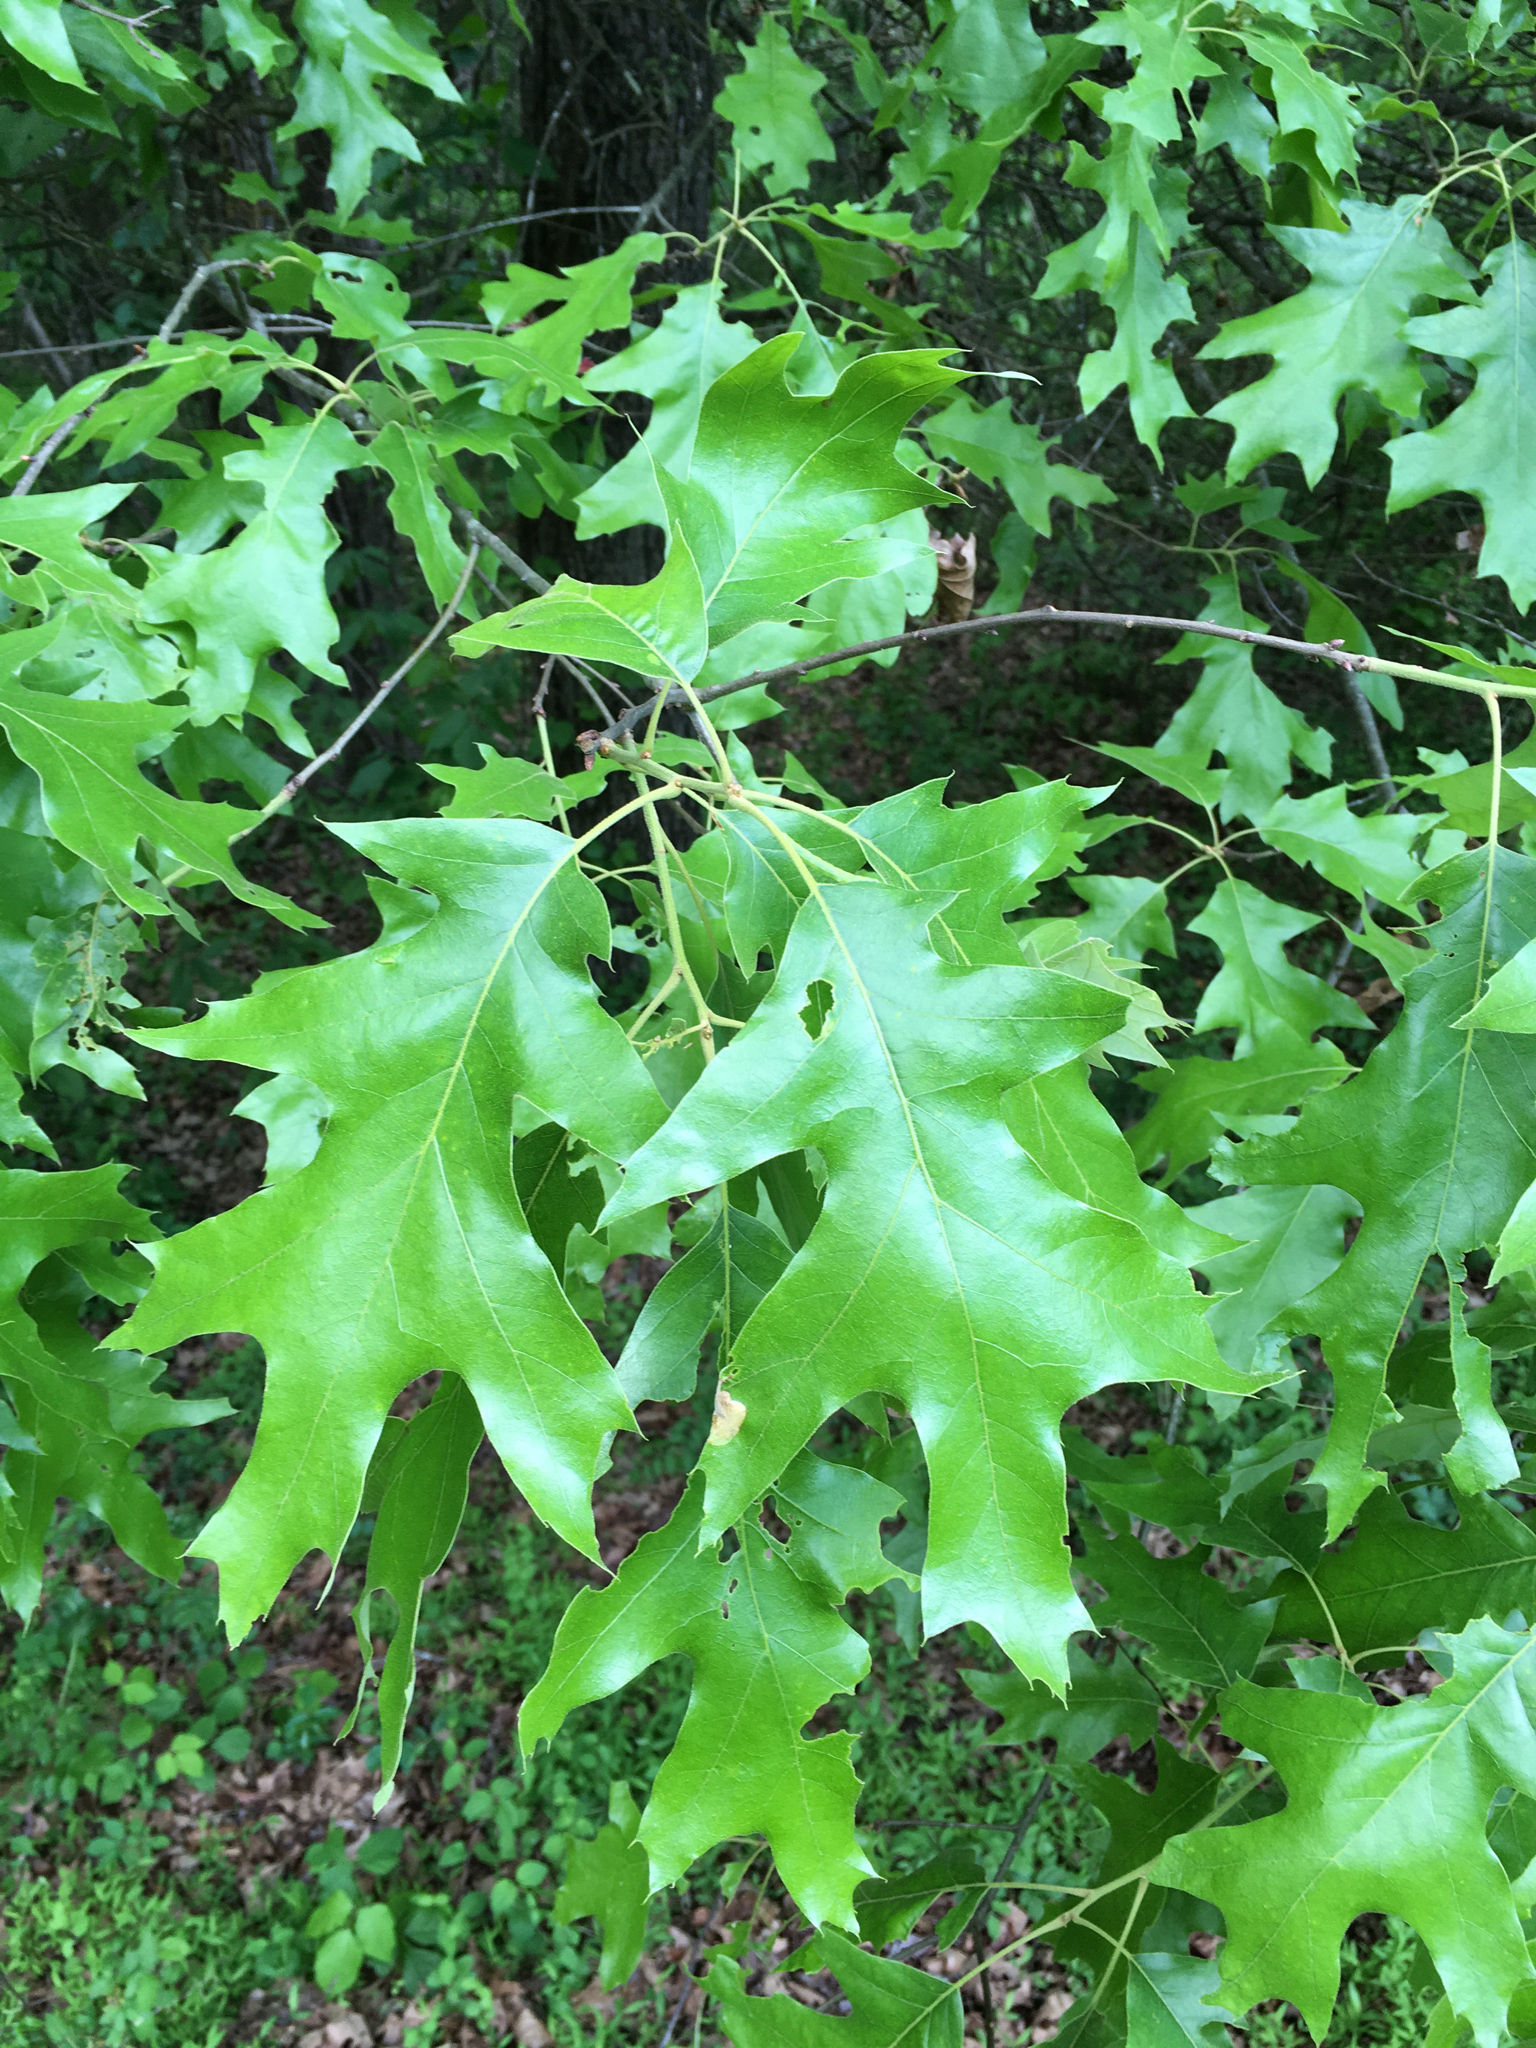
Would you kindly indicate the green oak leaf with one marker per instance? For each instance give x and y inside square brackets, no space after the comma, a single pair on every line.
[402,1242]
[944,1268]
[1307,100]
[890,1907]
[889,2002]
[417,509]
[656,628]
[1508,1003]
[1074,1140]
[79,1409]
[1435,1138]
[769,104]
[506,786]
[673,364]
[49,527]
[716,1284]
[1140,1823]
[85,753]
[1171,2002]
[1258,993]
[767,1650]
[416,1488]
[986,55]
[1104,1699]
[835,1512]
[999,449]
[778,493]
[1344,332]
[1198,1634]
[777,484]
[350,49]
[1234,712]
[608,1880]
[992,856]
[1288,1241]
[1198,1097]
[226,595]
[1487,446]
[1397,1577]
[1386,1811]
[1369,855]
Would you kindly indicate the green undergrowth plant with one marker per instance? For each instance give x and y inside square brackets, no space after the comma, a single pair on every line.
[1166,1367]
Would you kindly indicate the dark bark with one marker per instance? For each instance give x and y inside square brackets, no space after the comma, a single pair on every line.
[617,96]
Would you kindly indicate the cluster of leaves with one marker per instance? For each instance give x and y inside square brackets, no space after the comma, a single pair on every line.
[858,1072]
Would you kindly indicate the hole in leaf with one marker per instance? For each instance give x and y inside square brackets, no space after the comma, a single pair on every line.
[816,1015]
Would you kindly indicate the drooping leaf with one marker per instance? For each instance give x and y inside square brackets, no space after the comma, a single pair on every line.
[1386,1810]
[767,1650]
[418,1490]
[403,1245]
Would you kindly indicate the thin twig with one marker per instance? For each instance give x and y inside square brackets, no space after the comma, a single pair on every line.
[39,462]
[1371,733]
[690,1983]
[494,544]
[587,677]
[48,348]
[1315,650]
[195,283]
[507,220]
[296,782]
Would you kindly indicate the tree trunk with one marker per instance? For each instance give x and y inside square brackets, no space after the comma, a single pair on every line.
[617,98]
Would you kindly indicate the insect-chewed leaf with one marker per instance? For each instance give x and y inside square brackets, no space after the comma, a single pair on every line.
[945,1267]
[767,1650]
[1386,1812]
[402,1245]
[1436,1140]
[890,2003]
